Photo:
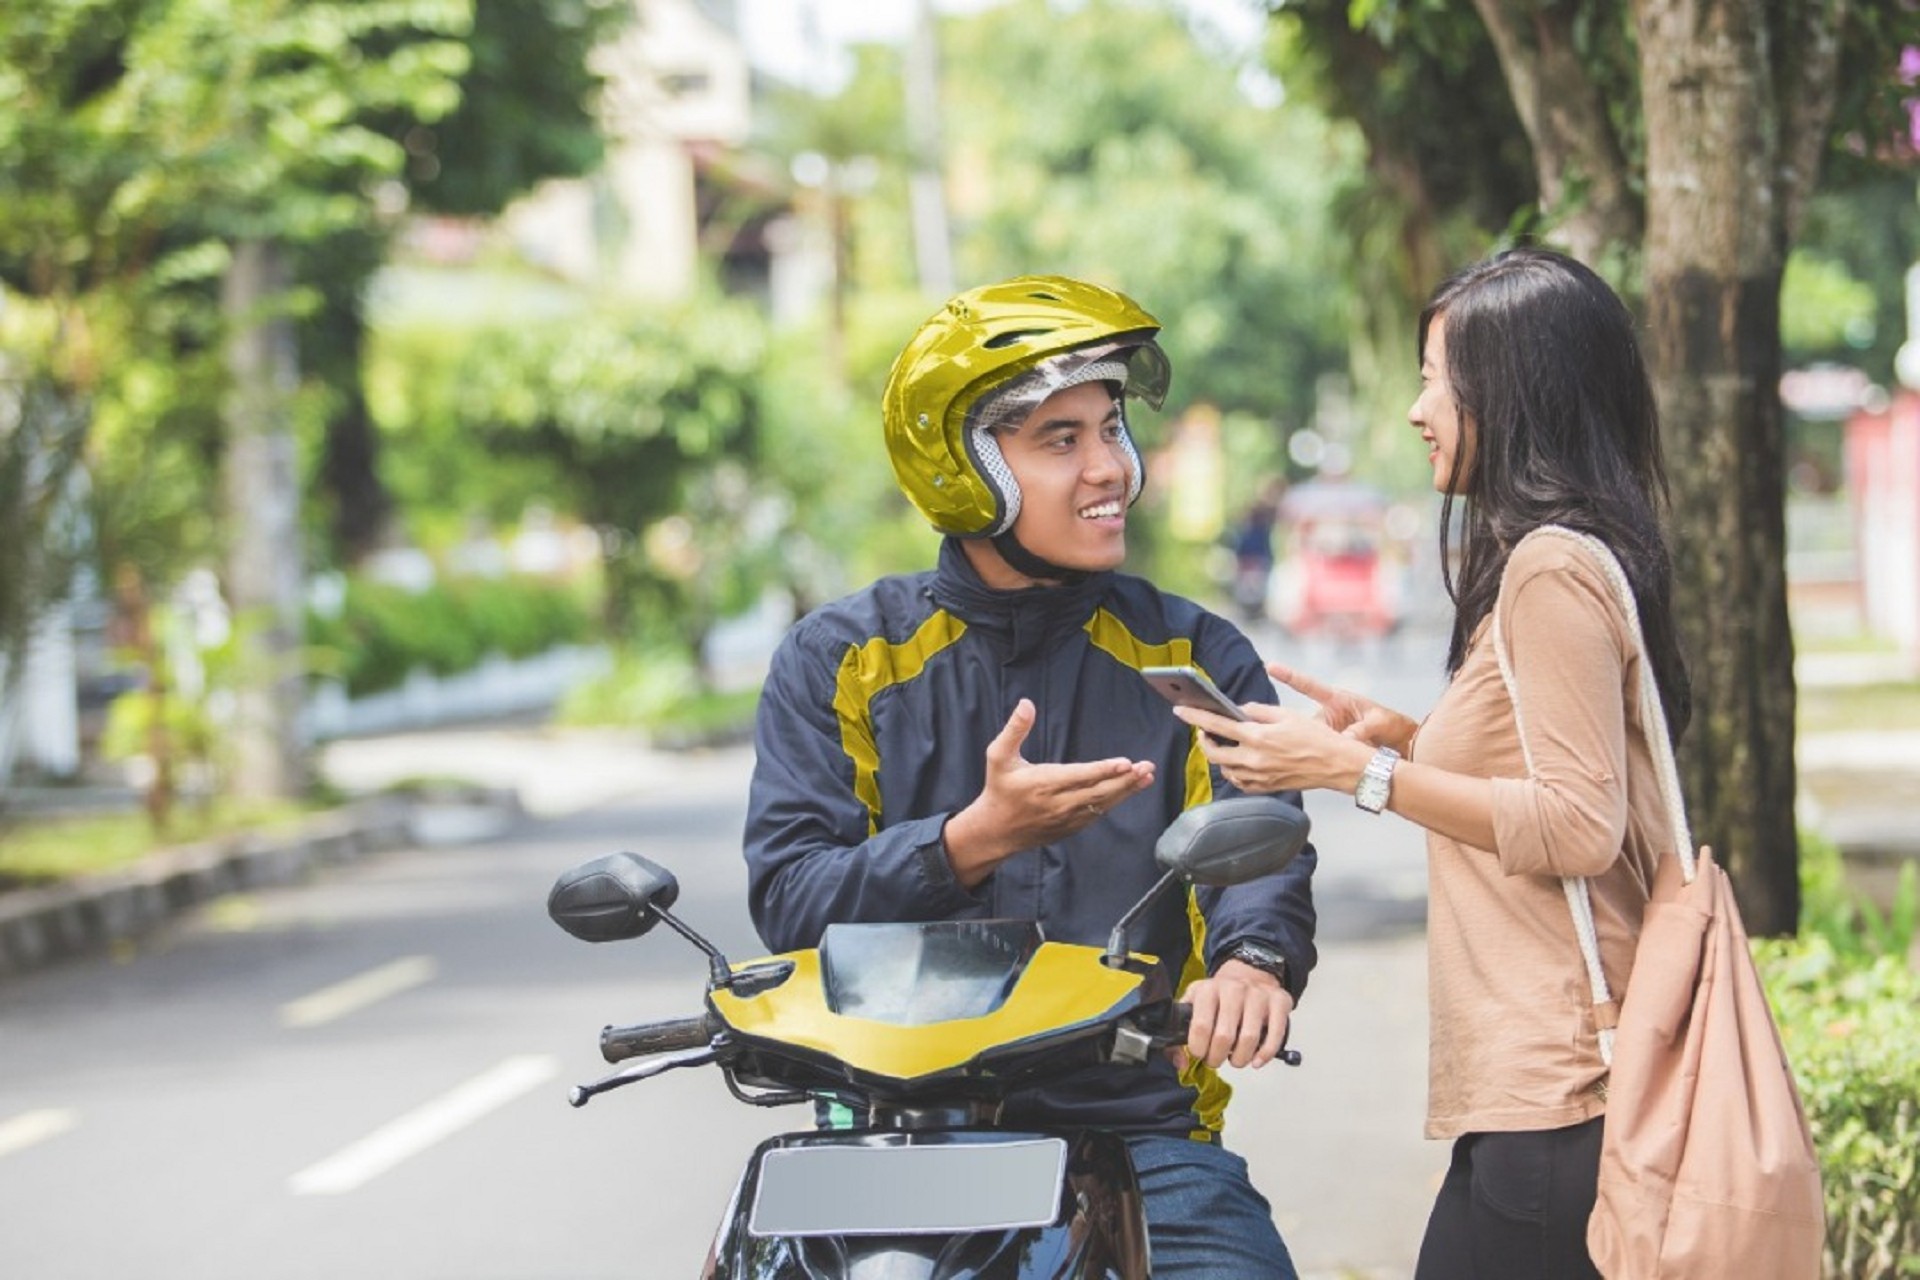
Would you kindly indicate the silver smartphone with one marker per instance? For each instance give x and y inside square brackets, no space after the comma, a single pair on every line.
[1189,687]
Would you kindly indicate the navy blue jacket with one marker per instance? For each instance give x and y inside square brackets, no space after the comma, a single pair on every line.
[873,729]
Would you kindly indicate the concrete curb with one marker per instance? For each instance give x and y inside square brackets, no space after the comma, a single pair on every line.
[89,915]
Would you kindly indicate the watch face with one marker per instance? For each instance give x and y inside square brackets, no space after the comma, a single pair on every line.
[1376,782]
[1260,958]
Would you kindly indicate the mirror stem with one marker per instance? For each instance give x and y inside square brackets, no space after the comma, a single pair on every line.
[1117,950]
[720,973]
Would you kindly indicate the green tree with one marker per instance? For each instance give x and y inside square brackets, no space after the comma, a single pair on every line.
[641,422]
[159,146]
[528,112]
[105,324]
[263,114]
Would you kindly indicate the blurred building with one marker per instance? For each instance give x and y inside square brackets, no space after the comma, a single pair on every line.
[682,191]
[1881,456]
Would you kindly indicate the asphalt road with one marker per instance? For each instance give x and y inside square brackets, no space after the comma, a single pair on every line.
[366,1074]
[219,1106]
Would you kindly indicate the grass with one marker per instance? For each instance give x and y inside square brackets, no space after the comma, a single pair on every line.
[36,851]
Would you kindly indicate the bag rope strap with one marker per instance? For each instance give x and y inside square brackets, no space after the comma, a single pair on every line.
[1653,722]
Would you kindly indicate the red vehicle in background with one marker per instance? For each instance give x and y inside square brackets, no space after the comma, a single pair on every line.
[1334,577]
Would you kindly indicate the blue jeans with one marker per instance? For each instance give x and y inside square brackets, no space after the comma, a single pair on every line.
[1205,1220]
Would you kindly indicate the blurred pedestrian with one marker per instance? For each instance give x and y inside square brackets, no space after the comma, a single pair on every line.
[1252,544]
[1536,410]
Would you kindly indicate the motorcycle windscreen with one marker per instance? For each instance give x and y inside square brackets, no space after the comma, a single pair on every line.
[914,974]
[922,1189]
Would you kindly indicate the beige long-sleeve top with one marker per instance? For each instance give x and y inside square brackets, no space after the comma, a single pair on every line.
[1512,1037]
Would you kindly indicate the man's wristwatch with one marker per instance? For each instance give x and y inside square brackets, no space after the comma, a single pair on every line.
[1259,956]
[1376,784]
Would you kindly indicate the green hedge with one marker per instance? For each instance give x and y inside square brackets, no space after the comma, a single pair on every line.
[383,632]
[1848,1003]
[658,692]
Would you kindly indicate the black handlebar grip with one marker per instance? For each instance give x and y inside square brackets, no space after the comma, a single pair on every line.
[1179,1019]
[617,1044]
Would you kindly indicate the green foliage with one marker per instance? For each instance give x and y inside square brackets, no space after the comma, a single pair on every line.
[42,852]
[629,418]
[527,112]
[1849,1026]
[184,722]
[383,632]
[527,106]
[259,115]
[1854,928]
[1163,179]
[1847,999]
[1824,311]
[141,138]
[1867,228]
[845,521]
[659,691]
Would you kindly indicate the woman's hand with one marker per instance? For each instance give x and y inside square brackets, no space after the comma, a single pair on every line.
[1278,749]
[1346,712]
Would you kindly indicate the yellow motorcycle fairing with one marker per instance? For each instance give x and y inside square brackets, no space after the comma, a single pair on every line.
[1063,986]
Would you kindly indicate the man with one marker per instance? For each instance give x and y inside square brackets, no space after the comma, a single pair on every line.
[976,741]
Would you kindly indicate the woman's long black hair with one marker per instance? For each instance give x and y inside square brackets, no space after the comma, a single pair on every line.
[1558,426]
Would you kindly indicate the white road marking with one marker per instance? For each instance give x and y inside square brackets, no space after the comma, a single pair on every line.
[29,1127]
[420,1128]
[343,998]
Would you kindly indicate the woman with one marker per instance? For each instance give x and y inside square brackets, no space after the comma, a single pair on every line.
[1536,410]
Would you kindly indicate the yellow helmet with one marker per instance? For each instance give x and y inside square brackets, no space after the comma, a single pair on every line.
[966,372]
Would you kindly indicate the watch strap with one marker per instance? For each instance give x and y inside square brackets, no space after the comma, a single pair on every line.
[1259,956]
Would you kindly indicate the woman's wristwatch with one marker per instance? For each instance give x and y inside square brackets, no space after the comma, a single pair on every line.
[1376,784]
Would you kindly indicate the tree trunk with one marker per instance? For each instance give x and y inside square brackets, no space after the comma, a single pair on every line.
[1585,189]
[130,591]
[1716,247]
[265,573]
[349,471]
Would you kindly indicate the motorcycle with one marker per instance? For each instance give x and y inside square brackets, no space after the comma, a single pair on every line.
[921,1031]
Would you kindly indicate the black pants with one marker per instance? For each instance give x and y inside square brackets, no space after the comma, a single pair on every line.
[1514,1206]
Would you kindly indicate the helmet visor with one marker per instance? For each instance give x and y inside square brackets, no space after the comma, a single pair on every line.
[1141,369]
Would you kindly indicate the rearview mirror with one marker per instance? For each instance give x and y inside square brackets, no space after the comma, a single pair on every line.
[612,897]
[1233,841]
[1222,842]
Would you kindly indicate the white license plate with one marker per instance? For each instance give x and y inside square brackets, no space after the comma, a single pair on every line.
[923,1188]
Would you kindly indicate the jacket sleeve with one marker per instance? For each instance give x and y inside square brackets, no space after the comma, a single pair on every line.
[1564,636]
[812,859]
[1275,910]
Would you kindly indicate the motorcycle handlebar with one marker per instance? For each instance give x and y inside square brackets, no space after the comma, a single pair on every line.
[1180,1020]
[617,1044]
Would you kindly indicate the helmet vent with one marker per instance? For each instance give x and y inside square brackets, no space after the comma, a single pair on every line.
[999,340]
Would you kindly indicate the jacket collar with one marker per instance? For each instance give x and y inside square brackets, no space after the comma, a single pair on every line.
[1026,619]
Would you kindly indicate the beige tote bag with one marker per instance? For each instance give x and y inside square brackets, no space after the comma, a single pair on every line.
[1707,1168]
